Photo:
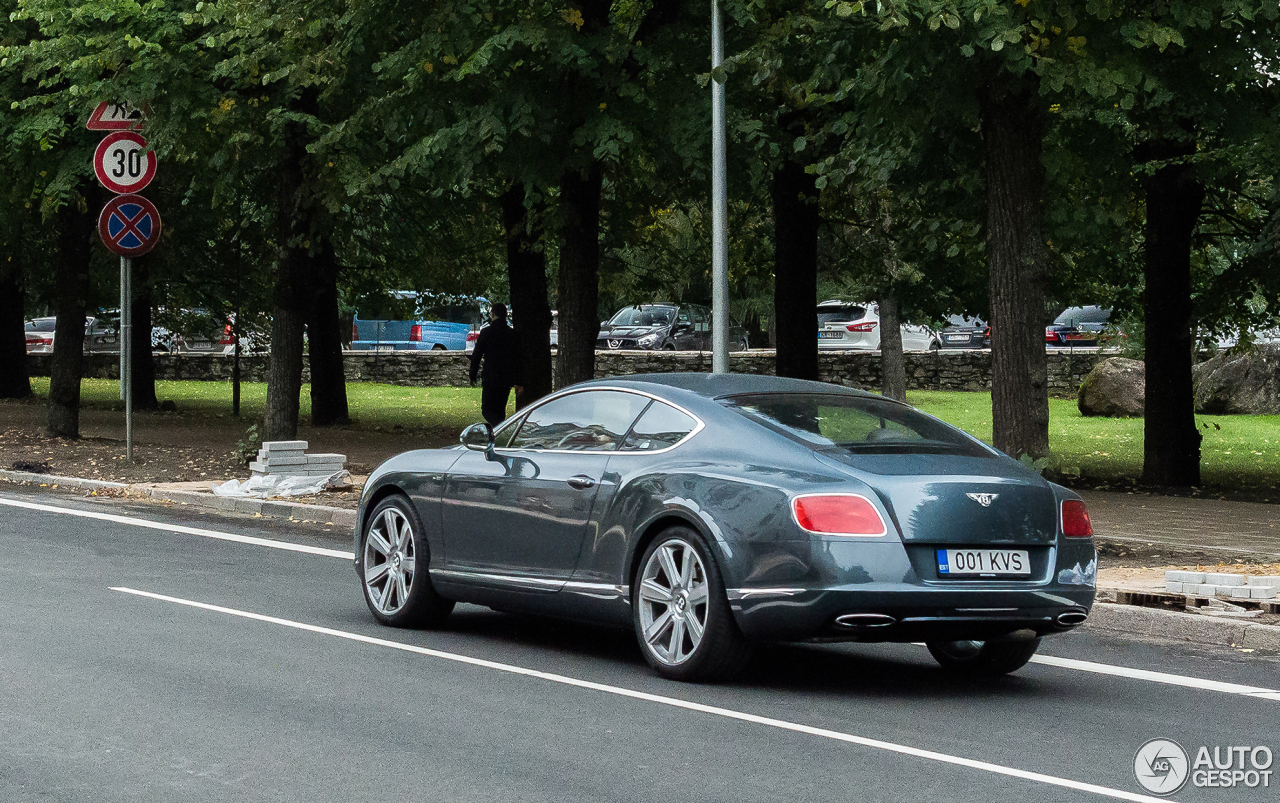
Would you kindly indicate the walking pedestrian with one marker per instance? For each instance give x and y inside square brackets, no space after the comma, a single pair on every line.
[499,349]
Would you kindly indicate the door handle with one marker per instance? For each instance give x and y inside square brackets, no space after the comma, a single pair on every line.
[581,482]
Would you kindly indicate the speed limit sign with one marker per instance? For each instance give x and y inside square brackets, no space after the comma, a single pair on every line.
[123,163]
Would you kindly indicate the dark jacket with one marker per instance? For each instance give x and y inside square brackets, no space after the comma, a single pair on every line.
[499,348]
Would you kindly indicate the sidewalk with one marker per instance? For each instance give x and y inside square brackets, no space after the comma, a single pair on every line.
[1249,528]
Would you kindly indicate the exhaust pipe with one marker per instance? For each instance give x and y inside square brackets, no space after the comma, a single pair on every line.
[1072,618]
[865,620]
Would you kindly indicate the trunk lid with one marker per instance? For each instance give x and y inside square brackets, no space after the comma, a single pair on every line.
[939,498]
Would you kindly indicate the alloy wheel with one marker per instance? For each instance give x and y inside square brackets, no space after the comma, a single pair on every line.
[389,564]
[674,596]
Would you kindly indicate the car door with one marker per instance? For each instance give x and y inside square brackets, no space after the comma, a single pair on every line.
[701,327]
[683,332]
[518,517]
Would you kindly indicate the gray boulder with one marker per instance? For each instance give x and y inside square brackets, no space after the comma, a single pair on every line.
[1116,388]
[1243,384]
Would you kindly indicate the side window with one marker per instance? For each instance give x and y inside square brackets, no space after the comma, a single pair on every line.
[502,438]
[683,316]
[593,420]
[661,426]
[701,320]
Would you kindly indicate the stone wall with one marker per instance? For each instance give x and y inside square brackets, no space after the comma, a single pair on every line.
[947,370]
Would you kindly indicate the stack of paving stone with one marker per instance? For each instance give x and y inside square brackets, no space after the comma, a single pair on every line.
[289,459]
[1222,586]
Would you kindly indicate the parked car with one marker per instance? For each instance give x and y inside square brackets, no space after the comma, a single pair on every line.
[413,321]
[665,326]
[963,332]
[854,325]
[710,512]
[1078,326]
[39,332]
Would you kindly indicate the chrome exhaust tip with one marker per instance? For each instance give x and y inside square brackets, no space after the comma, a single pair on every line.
[865,620]
[1072,618]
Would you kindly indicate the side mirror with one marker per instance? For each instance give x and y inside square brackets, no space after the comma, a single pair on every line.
[478,438]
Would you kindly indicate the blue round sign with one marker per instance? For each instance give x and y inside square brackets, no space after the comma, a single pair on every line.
[129,225]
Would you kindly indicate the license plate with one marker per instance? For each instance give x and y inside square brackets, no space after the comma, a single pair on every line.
[954,338]
[1080,336]
[957,562]
[830,335]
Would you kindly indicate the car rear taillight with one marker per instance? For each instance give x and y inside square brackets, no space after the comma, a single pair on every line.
[355,331]
[837,514]
[415,333]
[227,337]
[1075,519]
[1050,336]
[473,337]
[861,327]
[41,341]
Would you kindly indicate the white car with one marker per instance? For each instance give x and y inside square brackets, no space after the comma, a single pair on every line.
[856,325]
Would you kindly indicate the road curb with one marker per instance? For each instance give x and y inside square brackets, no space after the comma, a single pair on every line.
[295,511]
[1177,626]
[52,481]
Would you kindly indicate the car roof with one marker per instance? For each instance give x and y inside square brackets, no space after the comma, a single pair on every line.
[714,386]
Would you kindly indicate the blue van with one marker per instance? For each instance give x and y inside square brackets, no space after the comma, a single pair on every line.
[408,320]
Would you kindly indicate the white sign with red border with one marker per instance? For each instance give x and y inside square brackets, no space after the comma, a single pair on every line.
[122,162]
[115,117]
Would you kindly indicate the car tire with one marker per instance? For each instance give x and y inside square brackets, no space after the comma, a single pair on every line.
[934,346]
[398,597]
[668,612]
[669,346]
[439,347]
[983,658]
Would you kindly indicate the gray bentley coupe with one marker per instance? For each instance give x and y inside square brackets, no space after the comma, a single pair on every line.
[714,512]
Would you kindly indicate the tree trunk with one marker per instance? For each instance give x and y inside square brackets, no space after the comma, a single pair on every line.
[15,381]
[1174,196]
[527,280]
[579,285]
[796,216]
[893,367]
[142,366]
[328,382]
[290,297]
[1018,263]
[75,249]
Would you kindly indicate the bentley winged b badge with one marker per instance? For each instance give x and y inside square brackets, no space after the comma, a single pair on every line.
[984,499]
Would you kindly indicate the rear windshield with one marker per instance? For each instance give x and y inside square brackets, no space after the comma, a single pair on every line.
[42,325]
[856,424]
[1078,315]
[849,312]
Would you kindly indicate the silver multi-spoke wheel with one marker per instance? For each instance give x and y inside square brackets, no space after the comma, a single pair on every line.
[389,561]
[673,601]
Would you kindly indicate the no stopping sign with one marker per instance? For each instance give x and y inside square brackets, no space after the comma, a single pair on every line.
[123,163]
[129,225]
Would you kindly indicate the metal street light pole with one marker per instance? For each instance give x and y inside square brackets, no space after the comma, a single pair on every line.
[719,209]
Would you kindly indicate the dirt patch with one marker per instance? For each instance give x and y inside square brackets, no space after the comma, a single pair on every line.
[177,447]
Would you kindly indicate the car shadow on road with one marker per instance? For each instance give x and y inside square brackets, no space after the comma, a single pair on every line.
[871,670]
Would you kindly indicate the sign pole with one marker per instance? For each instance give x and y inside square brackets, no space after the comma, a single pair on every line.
[126,350]
[120,327]
[719,209]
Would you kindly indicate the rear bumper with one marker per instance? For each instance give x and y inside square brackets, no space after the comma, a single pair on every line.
[909,614]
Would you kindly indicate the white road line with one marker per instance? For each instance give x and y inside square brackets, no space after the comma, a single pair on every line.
[178,528]
[1158,677]
[1061,663]
[727,713]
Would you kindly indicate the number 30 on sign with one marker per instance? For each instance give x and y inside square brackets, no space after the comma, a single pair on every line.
[122,162]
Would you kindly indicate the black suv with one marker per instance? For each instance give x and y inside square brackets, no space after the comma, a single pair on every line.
[670,327]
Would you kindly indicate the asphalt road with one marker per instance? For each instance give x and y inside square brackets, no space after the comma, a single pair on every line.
[117,688]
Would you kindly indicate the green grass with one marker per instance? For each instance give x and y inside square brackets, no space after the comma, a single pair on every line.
[1238,452]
